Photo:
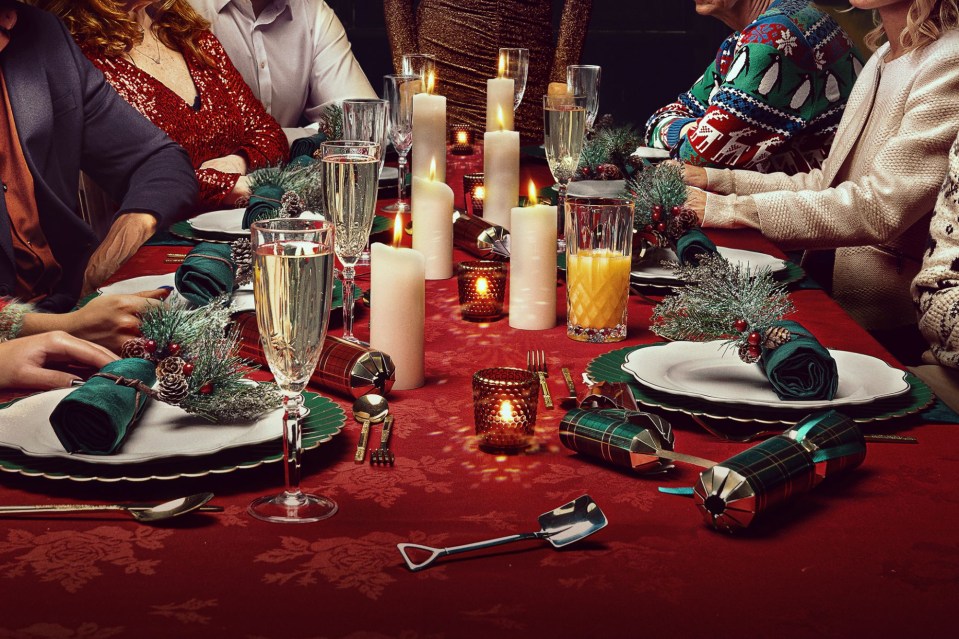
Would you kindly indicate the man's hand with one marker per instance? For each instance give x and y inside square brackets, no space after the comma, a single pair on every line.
[227,164]
[127,234]
[24,362]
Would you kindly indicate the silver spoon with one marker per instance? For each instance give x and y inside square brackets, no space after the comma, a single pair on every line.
[368,409]
[166,510]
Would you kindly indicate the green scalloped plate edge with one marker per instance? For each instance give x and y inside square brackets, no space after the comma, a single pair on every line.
[325,420]
[182,229]
[607,368]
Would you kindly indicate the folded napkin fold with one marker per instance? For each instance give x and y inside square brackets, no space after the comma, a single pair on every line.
[263,205]
[96,418]
[691,245]
[307,145]
[207,272]
[800,369]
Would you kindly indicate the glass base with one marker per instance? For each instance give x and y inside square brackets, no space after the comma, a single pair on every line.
[596,335]
[293,508]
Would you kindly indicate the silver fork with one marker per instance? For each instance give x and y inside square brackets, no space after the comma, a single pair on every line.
[383,456]
[536,363]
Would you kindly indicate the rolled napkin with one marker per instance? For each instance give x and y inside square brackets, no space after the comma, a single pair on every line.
[96,418]
[301,162]
[263,205]
[207,272]
[306,146]
[801,368]
[691,245]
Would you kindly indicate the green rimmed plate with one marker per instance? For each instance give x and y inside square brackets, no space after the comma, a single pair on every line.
[607,368]
[325,420]
[183,229]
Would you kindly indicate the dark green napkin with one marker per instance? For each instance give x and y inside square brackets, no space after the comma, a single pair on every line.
[95,418]
[306,146]
[691,245]
[264,203]
[207,272]
[300,162]
[800,369]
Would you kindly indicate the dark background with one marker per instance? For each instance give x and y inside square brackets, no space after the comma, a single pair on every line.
[650,50]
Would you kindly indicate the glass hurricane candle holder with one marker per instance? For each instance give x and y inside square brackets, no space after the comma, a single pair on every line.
[461,139]
[474,192]
[482,288]
[504,408]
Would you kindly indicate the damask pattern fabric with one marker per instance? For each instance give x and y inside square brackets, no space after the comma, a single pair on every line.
[772,98]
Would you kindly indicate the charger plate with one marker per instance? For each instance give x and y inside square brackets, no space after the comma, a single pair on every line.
[325,420]
[608,368]
[183,229]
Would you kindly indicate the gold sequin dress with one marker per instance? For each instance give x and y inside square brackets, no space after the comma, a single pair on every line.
[466,35]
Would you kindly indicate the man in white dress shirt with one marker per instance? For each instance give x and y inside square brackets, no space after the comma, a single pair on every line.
[294,54]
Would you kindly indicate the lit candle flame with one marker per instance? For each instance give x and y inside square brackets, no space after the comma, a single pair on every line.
[499,116]
[398,230]
[479,193]
[432,169]
[461,137]
[430,83]
[502,66]
[533,200]
[482,285]
[506,411]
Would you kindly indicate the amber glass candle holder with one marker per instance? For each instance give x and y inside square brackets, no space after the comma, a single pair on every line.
[461,139]
[482,289]
[504,407]
[474,192]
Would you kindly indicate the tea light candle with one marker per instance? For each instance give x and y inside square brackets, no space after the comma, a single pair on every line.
[504,408]
[501,169]
[432,206]
[482,288]
[398,308]
[474,192]
[461,137]
[499,96]
[429,132]
[532,277]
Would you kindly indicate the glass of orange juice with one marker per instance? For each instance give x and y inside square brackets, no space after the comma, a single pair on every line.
[599,234]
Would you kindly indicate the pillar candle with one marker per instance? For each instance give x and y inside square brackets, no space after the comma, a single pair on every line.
[532,271]
[432,207]
[500,175]
[398,310]
[429,133]
[499,95]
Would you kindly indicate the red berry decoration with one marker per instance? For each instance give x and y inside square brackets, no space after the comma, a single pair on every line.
[206,389]
[661,227]
[173,349]
[753,352]
[656,215]
[648,227]
[753,338]
[187,369]
[150,345]
[677,210]
[740,325]
[658,209]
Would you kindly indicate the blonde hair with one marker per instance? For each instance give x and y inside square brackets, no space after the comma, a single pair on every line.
[925,22]
[108,29]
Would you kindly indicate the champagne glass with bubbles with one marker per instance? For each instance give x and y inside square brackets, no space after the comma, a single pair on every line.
[351,170]
[292,288]
[398,90]
[367,120]
[564,128]
[514,63]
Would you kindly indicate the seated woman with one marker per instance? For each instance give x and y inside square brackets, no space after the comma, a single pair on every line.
[773,96]
[872,199]
[161,58]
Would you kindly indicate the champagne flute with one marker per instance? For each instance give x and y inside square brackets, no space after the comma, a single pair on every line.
[419,64]
[351,171]
[367,120]
[293,289]
[583,79]
[515,65]
[564,128]
[398,89]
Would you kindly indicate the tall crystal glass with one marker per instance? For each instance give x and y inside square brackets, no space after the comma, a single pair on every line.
[564,129]
[293,289]
[351,170]
[419,64]
[583,79]
[398,90]
[515,65]
[367,120]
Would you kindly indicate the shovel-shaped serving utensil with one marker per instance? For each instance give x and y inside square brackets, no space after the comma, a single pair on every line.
[562,526]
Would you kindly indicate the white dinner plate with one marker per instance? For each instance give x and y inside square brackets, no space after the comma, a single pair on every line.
[713,371]
[651,268]
[162,431]
[242,296]
[651,154]
[229,221]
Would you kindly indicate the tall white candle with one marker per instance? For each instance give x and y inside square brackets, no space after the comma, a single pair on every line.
[499,94]
[500,174]
[532,270]
[429,132]
[398,310]
[432,207]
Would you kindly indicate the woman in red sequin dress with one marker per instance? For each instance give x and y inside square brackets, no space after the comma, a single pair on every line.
[161,58]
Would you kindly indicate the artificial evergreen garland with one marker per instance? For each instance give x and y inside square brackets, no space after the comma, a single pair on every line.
[608,153]
[725,301]
[299,182]
[197,365]
[331,122]
[659,196]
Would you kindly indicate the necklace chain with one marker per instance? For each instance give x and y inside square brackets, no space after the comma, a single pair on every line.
[155,60]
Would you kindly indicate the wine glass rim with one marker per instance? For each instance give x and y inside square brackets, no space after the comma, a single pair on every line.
[353,144]
[399,76]
[583,66]
[363,100]
[291,225]
[514,49]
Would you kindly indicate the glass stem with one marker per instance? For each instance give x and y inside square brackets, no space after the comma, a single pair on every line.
[401,178]
[561,210]
[348,273]
[292,443]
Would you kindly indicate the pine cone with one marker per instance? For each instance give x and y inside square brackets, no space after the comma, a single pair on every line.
[241,254]
[290,205]
[609,172]
[745,356]
[776,336]
[636,162]
[675,228]
[135,347]
[173,388]
[242,202]
[688,219]
[170,366]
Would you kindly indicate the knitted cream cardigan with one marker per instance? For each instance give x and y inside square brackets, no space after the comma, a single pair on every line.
[873,195]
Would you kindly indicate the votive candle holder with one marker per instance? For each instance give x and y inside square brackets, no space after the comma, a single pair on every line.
[482,289]
[504,408]
[474,192]
[461,139]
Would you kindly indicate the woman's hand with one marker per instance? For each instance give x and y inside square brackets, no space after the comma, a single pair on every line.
[227,164]
[694,176]
[696,202]
[25,361]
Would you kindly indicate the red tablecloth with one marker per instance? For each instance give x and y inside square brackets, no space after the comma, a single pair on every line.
[872,554]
